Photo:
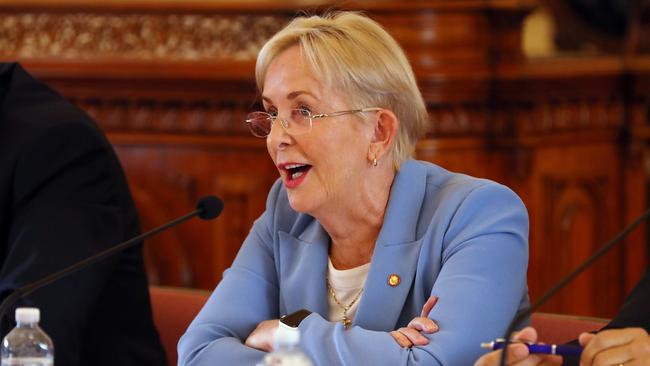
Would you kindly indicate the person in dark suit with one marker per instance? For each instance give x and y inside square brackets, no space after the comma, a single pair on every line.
[64,197]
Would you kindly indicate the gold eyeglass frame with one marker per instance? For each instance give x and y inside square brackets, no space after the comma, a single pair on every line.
[285,123]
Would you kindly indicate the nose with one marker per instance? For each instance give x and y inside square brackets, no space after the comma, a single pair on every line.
[278,138]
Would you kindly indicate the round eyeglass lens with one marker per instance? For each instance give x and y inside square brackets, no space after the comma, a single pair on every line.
[259,123]
[300,121]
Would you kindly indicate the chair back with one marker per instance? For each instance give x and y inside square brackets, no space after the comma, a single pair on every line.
[558,329]
[173,311]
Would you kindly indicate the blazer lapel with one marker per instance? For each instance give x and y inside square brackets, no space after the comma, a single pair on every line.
[396,253]
[303,270]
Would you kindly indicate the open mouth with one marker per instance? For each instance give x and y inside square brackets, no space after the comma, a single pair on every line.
[295,171]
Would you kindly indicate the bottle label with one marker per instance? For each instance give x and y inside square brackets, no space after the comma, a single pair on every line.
[27,361]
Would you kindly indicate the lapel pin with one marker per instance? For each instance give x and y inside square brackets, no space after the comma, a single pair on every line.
[393,280]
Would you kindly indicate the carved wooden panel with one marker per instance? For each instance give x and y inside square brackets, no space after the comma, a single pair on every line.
[576,217]
[576,195]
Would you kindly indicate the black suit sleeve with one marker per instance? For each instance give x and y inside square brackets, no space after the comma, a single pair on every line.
[634,312]
[636,308]
[65,208]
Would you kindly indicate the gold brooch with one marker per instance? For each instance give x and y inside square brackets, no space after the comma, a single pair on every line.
[393,280]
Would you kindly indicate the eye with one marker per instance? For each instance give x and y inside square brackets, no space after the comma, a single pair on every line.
[305,108]
[273,112]
[304,112]
[300,114]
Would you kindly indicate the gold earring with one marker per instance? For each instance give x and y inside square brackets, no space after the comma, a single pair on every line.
[374,162]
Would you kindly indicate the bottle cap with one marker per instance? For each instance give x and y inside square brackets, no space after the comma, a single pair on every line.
[287,336]
[28,315]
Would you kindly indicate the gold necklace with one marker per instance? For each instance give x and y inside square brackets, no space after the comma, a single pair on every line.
[345,320]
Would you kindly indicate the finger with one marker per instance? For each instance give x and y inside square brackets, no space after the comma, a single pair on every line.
[528,334]
[489,359]
[425,325]
[607,339]
[401,339]
[549,360]
[638,362]
[262,336]
[538,360]
[426,309]
[612,356]
[585,338]
[253,341]
[618,349]
[516,353]
[414,336]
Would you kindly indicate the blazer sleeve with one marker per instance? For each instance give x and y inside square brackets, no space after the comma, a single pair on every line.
[480,286]
[64,209]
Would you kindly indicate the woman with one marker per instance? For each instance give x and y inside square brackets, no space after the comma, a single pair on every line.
[355,231]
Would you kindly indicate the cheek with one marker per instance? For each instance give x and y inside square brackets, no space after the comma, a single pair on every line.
[271,150]
[340,165]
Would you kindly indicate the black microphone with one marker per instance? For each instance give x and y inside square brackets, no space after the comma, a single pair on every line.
[207,208]
[568,278]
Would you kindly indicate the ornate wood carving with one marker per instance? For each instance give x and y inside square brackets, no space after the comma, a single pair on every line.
[172,116]
[86,35]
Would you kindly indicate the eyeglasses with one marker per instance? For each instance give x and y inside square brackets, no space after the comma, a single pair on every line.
[299,122]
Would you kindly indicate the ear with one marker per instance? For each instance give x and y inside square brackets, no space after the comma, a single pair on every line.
[385,131]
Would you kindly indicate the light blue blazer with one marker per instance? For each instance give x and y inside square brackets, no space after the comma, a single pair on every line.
[462,239]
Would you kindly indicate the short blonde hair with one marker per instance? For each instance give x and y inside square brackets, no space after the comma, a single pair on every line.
[354,53]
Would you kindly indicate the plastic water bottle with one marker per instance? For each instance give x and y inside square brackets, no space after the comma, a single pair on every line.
[27,344]
[286,349]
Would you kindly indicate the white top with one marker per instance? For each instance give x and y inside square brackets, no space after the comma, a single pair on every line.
[346,285]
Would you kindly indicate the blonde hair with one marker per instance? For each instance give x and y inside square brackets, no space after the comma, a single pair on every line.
[355,54]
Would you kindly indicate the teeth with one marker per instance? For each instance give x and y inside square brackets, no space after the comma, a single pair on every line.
[292,166]
[296,175]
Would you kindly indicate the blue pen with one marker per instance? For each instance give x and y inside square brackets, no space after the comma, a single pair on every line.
[547,349]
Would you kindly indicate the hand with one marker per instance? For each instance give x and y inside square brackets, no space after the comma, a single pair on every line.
[628,346]
[518,354]
[410,335]
[262,337]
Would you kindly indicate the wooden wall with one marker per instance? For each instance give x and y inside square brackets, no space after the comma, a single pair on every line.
[170,84]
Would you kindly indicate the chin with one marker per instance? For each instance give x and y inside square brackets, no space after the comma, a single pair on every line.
[300,204]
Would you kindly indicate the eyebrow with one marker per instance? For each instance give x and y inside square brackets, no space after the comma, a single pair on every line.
[292,95]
